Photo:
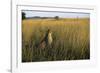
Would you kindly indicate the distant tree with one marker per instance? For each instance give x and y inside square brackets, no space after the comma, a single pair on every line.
[23,15]
[56,17]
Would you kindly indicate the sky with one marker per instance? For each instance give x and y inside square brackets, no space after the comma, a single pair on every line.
[53,14]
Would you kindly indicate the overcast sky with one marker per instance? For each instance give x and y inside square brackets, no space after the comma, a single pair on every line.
[53,14]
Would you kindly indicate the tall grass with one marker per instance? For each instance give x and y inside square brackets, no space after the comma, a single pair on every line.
[71,39]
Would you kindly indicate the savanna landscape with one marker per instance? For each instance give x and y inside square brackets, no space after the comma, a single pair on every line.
[70,39]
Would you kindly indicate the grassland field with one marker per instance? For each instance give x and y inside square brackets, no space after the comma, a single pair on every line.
[71,39]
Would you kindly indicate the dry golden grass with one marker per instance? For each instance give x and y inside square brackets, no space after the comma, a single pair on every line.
[70,39]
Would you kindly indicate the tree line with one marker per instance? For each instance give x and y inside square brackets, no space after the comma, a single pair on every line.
[24,16]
